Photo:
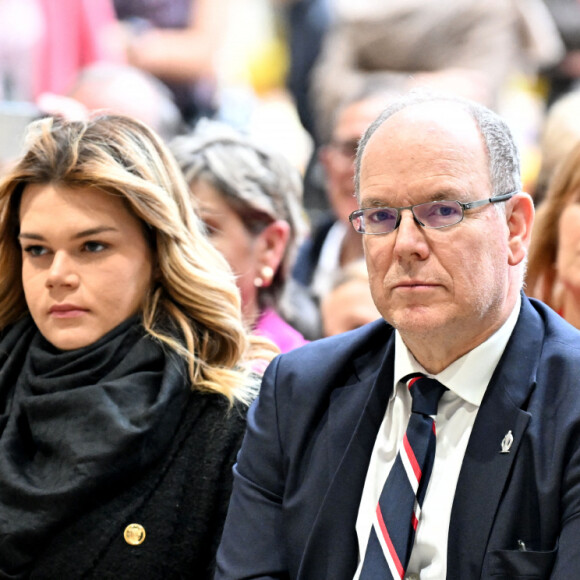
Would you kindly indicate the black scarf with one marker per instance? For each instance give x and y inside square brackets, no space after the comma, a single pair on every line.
[76,426]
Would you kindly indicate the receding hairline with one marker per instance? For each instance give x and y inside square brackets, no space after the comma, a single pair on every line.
[459,124]
[457,114]
[493,132]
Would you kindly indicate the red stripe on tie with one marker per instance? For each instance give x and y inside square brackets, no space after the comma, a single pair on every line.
[390,546]
[414,521]
[412,459]
[412,382]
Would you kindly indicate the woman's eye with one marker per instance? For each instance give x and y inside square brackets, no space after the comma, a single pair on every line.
[35,251]
[94,247]
[210,229]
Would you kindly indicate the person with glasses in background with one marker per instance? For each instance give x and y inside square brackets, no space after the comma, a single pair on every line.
[442,441]
[333,244]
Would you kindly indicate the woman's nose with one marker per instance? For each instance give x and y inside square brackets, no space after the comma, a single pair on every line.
[62,271]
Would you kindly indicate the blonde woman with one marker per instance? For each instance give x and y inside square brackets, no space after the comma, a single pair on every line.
[125,368]
[553,273]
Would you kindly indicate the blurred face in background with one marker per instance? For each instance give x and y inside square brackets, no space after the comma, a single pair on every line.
[348,306]
[230,236]
[86,263]
[568,259]
[338,157]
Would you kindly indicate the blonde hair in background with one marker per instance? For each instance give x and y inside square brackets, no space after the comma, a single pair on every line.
[564,189]
[193,291]
[560,133]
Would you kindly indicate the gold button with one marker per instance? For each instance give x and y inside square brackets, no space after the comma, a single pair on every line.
[134,534]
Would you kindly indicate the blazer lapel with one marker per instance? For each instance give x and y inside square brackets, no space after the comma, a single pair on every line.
[485,468]
[355,415]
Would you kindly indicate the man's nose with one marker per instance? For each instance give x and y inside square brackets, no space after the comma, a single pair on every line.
[410,236]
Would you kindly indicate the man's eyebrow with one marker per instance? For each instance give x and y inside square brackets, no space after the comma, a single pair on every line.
[374,202]
[445,195]
[82,234]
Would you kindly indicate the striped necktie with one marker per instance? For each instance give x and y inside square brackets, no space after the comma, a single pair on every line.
[399,507]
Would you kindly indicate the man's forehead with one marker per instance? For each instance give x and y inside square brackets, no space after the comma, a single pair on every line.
[438,130]
[429,145]
[431,119]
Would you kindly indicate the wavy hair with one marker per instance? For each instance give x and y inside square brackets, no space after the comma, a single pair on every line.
[502,153]
[193,306]
[564,190]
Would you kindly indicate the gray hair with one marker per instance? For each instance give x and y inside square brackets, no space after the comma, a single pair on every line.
[258,183]
[503,156]
[156,107]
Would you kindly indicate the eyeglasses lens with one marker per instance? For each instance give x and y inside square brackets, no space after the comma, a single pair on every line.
[346,148]
[438,214]
[384,220]
[377,221]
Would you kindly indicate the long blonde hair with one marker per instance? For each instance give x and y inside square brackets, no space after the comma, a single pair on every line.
[564,189]
[194,305]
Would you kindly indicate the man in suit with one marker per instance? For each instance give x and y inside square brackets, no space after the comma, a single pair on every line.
[503,499]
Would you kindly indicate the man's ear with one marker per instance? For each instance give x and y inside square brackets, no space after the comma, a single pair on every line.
[520,220]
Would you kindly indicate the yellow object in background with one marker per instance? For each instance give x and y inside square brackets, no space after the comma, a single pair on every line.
[268,65]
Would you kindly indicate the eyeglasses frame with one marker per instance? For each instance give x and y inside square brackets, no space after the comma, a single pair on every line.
[464,206]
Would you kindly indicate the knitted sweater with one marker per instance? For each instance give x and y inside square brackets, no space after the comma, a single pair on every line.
[180,503]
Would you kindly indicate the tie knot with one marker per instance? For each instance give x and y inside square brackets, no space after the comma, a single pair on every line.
[426,393]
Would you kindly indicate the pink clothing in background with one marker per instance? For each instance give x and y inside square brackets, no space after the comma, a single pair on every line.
[271,325]
[76,34]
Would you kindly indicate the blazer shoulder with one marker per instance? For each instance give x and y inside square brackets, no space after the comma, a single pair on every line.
[368,339]
[559,335]
[332,362]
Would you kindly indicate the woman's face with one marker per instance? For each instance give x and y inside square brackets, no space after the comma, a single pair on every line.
[568,259]
[230,237]
[86,265]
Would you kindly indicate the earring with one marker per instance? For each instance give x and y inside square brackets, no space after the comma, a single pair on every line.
[267,275]
[265,279]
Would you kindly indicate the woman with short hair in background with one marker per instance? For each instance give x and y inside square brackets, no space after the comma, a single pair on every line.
[250,198]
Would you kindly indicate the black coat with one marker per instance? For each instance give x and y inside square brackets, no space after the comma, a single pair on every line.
[181,503]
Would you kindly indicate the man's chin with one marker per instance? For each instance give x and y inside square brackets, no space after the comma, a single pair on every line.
[418,318]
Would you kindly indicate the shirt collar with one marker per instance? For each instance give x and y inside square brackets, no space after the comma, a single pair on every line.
[469,375]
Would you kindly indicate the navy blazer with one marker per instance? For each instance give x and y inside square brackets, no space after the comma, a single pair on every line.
[302,466]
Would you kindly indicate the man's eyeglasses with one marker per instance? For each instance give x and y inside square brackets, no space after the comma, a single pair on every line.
[433,214]
[345,148]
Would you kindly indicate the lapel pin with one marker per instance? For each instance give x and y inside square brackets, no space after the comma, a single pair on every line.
[507,442]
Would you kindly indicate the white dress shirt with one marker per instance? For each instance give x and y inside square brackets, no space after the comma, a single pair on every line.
[329,259]
[467,379]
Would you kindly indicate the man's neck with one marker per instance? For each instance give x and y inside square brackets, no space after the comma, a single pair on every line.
[436,353]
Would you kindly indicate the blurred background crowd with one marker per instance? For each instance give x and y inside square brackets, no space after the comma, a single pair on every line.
[263,101]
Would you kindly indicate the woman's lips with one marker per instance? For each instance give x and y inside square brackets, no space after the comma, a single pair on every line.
[66,311]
